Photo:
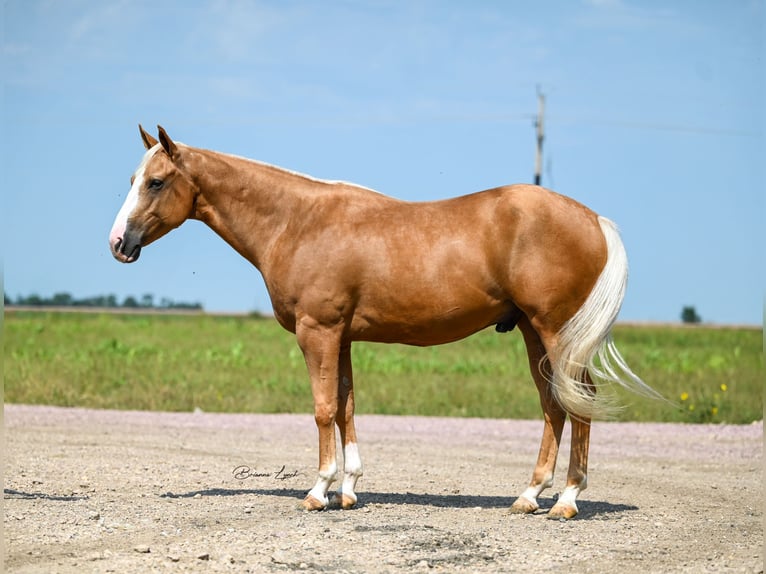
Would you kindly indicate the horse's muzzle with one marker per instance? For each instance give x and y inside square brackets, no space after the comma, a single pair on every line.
[126,249]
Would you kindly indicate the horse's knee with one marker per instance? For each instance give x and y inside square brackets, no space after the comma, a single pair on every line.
[325,414]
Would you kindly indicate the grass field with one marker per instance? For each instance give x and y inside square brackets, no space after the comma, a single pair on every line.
[246,364]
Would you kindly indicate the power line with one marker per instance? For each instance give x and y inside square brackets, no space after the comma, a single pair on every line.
[539,125]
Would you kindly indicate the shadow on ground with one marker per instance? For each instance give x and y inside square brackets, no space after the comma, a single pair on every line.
[10,493]
[588,509]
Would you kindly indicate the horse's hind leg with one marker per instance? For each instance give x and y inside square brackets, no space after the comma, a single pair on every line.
[577,475]
[554,415]
[352,463]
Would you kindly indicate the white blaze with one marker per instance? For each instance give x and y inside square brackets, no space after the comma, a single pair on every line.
[121,221]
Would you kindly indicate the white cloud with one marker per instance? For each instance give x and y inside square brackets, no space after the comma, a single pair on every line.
[99,21]
[613,15]
[606,3]
[237,29]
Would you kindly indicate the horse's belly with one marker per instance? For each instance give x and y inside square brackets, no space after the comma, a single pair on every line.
[425,326]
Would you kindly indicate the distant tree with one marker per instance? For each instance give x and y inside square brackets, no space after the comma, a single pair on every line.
[61,300]
[130,301]
[196,306]
[96,301]
[689,315]
[34,300]
[6,299]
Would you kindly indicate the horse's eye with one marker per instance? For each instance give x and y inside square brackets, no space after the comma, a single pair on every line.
[156,184]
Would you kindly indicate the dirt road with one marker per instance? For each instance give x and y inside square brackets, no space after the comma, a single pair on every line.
[135,492]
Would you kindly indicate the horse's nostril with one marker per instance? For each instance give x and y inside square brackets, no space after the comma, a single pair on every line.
[117,245]
[134,254]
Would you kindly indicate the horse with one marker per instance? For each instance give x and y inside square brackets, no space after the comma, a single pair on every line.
[344,263]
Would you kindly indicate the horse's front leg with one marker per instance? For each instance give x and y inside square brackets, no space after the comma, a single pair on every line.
[321,348]
[352,463]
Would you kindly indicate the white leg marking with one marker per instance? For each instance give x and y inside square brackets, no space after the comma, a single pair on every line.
[569,496]
[531,494]
[571,492]
[326,478]
[352,464]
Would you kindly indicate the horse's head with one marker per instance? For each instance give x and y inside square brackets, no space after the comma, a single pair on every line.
[161,198]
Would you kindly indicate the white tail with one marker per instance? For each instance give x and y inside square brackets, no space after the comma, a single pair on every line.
[585,341]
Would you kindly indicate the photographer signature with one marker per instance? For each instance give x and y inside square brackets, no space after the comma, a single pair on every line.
[243,472]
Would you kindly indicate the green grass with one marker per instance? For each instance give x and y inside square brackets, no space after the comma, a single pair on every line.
[244,364]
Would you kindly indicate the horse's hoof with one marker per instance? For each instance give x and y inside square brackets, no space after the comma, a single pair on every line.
[562,511]
[347,502]
[523,506]
[312,503]
[343,501]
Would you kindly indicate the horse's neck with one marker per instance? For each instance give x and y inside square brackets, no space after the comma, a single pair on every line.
[247,203]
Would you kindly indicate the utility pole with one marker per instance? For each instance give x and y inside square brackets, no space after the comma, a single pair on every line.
[540,135]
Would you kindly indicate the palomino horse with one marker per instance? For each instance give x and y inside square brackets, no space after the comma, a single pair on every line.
[343,263]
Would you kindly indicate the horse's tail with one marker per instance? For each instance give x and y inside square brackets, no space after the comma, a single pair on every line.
[585,342]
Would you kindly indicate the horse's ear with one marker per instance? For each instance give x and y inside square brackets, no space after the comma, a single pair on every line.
[149,141]
[167,144]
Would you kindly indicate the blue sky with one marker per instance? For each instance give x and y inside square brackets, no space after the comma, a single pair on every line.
[654,119]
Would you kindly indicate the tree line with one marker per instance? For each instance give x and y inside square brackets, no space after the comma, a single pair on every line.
[110,301]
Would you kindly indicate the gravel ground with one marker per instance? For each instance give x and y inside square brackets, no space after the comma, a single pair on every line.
[136,492]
